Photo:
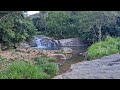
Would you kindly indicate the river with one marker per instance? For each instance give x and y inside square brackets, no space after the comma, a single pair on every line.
[75,57]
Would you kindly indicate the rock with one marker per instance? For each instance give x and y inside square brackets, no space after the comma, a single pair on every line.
[68,56]
[71,42]
[43,41]
[60,56]
[58,43]
[83,53]
[58,77]
[67,50]
[30,51]
[20,49]
[22,45]
[32,42]
[50,42]
[107,67]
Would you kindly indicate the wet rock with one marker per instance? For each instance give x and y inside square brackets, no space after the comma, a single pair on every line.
[32,42]
[42,41]
[71,42]
[107,67]
[67,50]
[68,56]
[60,56]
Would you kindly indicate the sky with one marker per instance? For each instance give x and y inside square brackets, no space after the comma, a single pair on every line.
[32,12]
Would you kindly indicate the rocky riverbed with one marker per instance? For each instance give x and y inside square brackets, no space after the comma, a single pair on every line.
[26,53]
[107,67]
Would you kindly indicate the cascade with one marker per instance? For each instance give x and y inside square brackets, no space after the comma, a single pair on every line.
[45,43]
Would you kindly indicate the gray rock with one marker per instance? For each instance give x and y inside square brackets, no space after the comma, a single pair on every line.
[63,42]
[60,56]
[43,40]
[67,50]
[107,67]
[32,42]
[24,45]
[71,42]
[58,77]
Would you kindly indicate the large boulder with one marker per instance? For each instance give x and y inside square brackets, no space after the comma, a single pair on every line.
[67,50]
[32,42]
[60,56]
[68,56]
[46,41]
[23,44]
[107,67]
[71,42]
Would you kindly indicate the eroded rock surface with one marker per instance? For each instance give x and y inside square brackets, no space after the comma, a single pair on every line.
[107,67]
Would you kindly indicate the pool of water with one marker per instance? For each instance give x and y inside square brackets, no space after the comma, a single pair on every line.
[74,58]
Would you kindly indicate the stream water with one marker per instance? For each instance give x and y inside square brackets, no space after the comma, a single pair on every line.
[75,57]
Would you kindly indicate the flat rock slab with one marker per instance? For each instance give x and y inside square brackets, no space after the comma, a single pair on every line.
[107,67]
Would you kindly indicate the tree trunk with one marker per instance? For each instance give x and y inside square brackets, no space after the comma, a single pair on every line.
[100,34]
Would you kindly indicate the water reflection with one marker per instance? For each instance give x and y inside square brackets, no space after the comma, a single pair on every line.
[73,58]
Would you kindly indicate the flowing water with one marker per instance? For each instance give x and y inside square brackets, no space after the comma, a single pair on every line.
[45,43]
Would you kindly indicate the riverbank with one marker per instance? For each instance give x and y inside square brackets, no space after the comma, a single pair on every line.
[107,67]
[26,53]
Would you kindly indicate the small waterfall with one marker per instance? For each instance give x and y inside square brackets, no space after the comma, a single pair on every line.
[39,44]
[45,43]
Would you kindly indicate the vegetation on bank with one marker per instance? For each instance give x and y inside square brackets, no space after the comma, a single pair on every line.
[104,48]
[14,28]
[41,68]
[91,26]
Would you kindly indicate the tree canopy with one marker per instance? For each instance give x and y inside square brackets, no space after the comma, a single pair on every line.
[14,28]
[91,26]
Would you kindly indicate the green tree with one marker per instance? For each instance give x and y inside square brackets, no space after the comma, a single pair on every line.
[91,26]
[91,23]
[61,24]
[39,23]
[14,28]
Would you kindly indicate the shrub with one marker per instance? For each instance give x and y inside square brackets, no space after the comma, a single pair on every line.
[44,60]
[15,28]
[52,59]
[1,59]
[103,48]
[41,60]
[23,70]
[47,66]
[50,68]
